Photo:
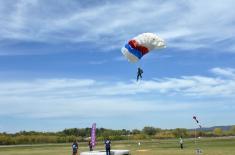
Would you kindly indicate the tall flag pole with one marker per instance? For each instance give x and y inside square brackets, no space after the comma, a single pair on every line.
[198,151]
[93,135]
[195,118]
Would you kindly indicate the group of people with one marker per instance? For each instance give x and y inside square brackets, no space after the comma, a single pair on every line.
[107,144]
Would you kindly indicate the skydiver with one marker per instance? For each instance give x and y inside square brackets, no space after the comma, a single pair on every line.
[139,73]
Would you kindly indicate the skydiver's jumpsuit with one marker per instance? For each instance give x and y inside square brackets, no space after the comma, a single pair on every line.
[139,73]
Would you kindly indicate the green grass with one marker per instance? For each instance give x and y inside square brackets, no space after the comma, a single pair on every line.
[210,146]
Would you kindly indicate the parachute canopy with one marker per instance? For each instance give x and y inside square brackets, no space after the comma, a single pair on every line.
[140,45]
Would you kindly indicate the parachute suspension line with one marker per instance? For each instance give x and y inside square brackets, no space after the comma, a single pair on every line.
[140,64]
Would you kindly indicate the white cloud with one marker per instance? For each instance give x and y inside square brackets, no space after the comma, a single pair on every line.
[75,97]
[228,72]
[87,107]
[184,24]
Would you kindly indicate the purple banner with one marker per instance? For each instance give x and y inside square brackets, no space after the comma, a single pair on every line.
[93,134]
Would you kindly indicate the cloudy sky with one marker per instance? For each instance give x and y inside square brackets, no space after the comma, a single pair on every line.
[61,65]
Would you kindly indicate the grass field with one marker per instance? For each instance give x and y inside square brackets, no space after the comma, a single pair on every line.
[209,146]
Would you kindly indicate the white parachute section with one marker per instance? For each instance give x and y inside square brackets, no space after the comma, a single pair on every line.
[150,40]
[140,45]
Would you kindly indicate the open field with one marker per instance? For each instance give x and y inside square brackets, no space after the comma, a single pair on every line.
[210,146]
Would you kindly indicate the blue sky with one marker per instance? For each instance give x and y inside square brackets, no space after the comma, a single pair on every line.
[61,64]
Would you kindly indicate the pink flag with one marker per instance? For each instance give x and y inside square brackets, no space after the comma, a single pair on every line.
[93,134]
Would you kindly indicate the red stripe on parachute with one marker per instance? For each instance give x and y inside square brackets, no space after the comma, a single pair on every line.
[134,44]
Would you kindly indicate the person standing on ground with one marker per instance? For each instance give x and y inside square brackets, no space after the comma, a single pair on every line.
[181,143]
[90,145]
[107,144]
[75,147]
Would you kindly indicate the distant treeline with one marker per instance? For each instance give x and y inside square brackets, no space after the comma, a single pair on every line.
[83,134]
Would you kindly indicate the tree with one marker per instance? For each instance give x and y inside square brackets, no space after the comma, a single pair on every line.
[149,130]
[232,130]
[135,131]
[180,132]
[218,131]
